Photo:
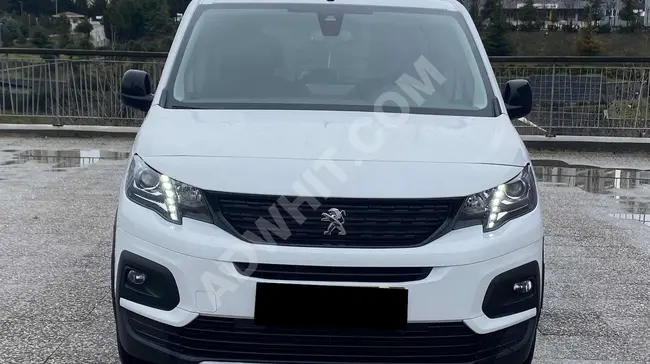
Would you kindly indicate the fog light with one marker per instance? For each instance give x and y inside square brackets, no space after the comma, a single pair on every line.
[136,277]
[523,287]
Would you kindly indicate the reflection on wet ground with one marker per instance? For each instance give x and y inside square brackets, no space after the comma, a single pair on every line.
[62,159]
[628,187]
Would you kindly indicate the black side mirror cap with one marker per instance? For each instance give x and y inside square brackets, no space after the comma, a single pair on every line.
[135,91]
[518,97]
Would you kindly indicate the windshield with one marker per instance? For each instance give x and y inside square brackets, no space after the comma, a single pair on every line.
[331,57]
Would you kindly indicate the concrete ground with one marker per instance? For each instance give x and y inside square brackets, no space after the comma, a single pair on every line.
[55,229]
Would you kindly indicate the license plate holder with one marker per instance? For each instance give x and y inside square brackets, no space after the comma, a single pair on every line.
[331,306]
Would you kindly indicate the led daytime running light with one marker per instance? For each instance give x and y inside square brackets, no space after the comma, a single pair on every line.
[171,198]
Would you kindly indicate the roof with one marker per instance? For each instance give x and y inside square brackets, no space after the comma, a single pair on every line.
[429,4]
[69,14]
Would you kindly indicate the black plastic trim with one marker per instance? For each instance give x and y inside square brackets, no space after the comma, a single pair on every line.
[159,290]
[332,274]
[500,300]
[113,266]
[220,220]
[163,97]
[496,106]
[159,343]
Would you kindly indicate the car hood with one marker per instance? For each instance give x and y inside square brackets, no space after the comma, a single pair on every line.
[312,152]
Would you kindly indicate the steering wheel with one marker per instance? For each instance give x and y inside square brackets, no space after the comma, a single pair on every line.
[320,76]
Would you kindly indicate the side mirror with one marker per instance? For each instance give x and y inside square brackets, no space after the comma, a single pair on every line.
[518,96]
[135,91]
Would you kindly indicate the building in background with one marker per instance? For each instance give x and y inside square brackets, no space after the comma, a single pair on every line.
[73,18]
[564,12]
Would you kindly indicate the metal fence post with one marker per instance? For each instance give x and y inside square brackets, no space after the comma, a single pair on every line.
[600,99]
[57,95]
[638,104]
[549,133]
[5,80]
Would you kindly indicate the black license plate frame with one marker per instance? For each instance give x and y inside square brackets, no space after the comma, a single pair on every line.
[303,305]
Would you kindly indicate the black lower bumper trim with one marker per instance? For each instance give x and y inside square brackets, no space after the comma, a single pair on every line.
[500,298]
[159,290]
[239,340]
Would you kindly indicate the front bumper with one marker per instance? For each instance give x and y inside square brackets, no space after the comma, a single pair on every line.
[207,287]
[211,339]
[211,321]
[442,328]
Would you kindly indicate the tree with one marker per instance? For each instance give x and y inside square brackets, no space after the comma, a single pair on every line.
[63,32]
[85,43]
[529,17]
[25,21]
[98,7]
[138,20]
[489,8]
[36,8]
[161,23]
[10,30]
[62,25]
[594,10]
[64,41]
[627,14]
[77,6]
[586,42]
[40,38]
[474,10]
[496,41]
[84,27]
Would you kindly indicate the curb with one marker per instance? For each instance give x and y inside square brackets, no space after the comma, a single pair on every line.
[586,143]
[69,131]
[562,142]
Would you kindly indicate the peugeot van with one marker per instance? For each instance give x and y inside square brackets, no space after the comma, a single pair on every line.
[327,181]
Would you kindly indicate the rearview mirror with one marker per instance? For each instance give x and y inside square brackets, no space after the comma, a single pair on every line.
[135,91]
[518,96]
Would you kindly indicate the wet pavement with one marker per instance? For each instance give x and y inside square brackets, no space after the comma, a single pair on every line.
[55,231]
[60,160]
[628,188]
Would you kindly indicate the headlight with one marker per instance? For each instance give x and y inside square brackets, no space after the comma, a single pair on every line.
[496,206]
[171,199]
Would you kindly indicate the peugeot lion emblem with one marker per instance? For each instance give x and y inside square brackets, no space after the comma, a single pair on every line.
[336,218]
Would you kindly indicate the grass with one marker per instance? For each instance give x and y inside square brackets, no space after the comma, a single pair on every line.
[20,119]
[627,109]
[34,57]
[564,44]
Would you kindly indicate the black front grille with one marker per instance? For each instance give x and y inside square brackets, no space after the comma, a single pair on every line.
[228,339]
[368,223]
[333,274]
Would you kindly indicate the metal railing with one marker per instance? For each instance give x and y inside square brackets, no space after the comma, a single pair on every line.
[573,95]
[600,96]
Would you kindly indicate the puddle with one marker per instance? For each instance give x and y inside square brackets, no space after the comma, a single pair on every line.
[629,188]
[63,159]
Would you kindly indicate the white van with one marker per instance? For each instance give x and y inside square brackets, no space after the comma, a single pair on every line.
[327,182]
